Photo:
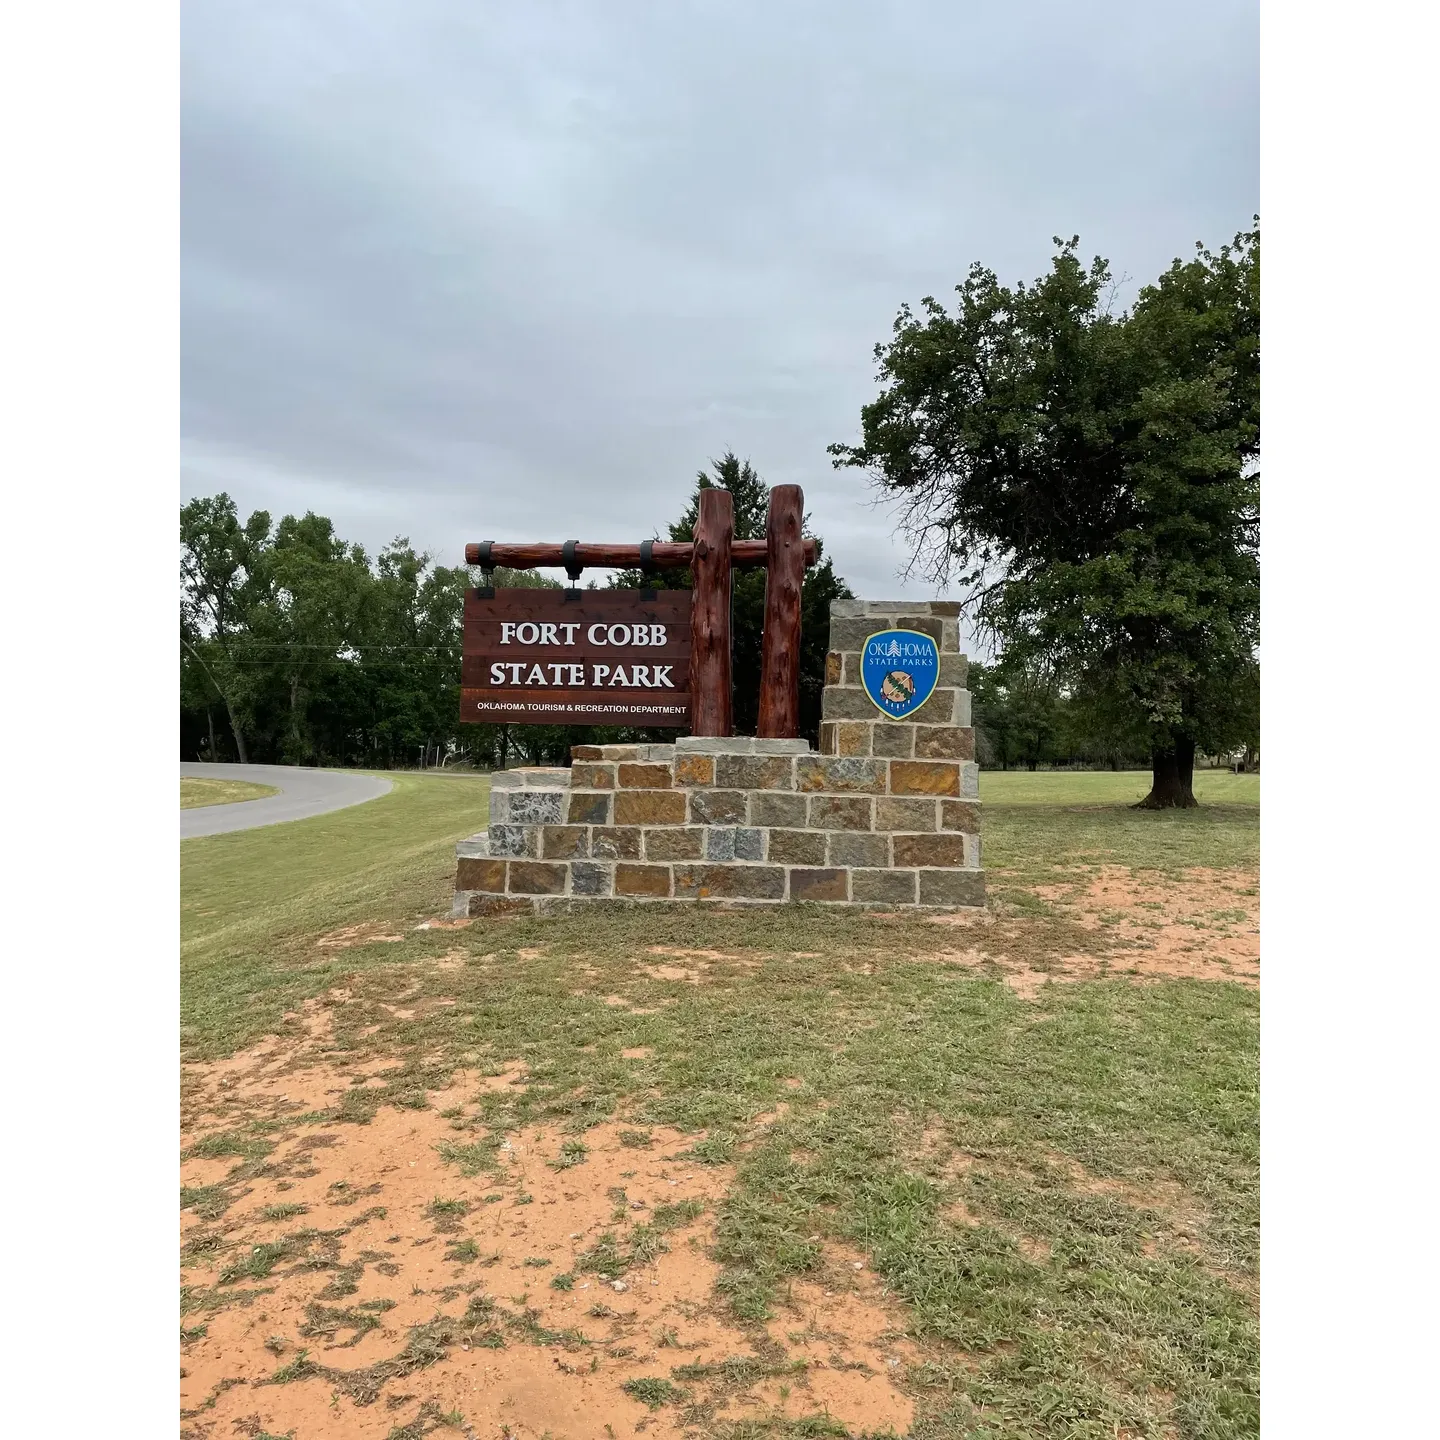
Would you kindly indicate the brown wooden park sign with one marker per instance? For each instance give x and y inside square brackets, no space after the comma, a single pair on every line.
[638,657]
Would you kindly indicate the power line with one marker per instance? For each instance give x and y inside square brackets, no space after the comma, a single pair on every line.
[312,645]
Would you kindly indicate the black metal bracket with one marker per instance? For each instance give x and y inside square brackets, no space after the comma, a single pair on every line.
[647,568]
[572,568]
[486,590]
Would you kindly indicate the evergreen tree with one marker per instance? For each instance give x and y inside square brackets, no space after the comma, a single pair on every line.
[751,498]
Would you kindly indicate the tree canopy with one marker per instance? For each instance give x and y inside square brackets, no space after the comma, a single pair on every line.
[311,652]
[297,647]
[1090,475]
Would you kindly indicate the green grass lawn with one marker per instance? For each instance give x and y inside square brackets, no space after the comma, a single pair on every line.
[1101,1138]
[1106,787]
[196,792]
[252,903]
[1044,825]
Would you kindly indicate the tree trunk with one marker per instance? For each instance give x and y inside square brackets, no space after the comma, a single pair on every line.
[1172,778]
[295,716]
[210,721]
[235,731]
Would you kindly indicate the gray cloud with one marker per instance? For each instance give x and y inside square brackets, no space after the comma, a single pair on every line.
[459,270]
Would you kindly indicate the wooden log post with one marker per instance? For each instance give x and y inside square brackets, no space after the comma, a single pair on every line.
[780,645]
[711,709]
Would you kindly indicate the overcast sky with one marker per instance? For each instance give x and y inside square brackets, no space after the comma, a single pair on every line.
[458,270]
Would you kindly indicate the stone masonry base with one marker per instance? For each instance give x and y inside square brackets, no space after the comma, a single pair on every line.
[886,816]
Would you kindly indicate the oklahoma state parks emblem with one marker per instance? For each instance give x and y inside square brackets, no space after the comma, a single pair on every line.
[898,669]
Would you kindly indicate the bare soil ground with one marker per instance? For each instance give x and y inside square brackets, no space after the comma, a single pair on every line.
[1203,924]
[362,1253]
[391,1278]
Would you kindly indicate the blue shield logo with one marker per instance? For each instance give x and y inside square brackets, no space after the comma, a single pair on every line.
[898,669]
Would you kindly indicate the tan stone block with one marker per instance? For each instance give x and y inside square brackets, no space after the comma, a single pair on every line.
[819,885]
[840,812]
[917,850]
[960,815]
[954,671]
[645,777]
[481,875]
[894,740]
[939,709]
[755,772]
[586,752]
[895,814]
[924,777]
[565,842]
[729,882]
[851,633]
[857,847]
[491,905]
[776,807]
[650,807]
[952,887]
[889,887]
[624,752]
[610,842]
[589,807]
[839,702]
[944,742]
[840,774]
[827,736]
[833,668]
[717,807]
[588,775]
[651,880]
[674,843]
[852,737]
[694,769]
[797,847]
[535,877]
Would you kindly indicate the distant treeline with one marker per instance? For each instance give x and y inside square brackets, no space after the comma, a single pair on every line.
[296,647]
[1025,721]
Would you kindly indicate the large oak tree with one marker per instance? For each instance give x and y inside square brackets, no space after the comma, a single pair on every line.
[1090,475]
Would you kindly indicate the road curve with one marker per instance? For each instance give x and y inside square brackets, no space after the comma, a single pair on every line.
[303,793]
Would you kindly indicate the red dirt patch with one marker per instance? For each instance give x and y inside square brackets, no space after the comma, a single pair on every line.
[1201,925]
[370,933]
[369,1258]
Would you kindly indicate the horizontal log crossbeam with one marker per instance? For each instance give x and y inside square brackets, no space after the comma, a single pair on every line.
[710,558]
[664,555]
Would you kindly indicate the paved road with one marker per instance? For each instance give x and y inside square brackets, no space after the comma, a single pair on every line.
[302,793]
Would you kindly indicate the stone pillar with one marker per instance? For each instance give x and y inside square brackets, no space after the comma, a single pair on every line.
[931,803]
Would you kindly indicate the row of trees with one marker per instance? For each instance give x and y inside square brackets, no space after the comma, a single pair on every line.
[1023,718]
[1090,476]
[296,647]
